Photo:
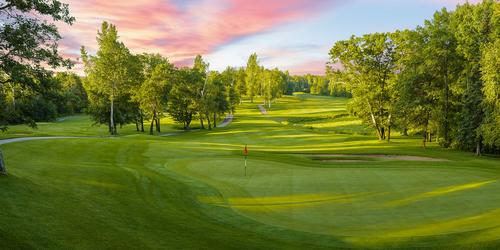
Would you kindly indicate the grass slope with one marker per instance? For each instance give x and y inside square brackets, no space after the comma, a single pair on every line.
[190,191]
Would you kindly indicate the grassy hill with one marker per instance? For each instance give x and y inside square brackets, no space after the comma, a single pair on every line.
[316,178]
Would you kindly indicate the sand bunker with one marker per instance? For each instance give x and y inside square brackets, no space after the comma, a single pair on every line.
[338,157]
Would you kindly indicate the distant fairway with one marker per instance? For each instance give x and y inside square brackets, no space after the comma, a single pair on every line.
[189,190]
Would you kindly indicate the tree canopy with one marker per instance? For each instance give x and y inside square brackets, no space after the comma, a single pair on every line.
[440,79]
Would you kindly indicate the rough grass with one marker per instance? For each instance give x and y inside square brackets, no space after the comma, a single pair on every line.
[189,191]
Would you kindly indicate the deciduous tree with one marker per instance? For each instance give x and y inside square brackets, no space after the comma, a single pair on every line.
[111,74]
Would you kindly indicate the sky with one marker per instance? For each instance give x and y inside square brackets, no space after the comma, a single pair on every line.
[293,35]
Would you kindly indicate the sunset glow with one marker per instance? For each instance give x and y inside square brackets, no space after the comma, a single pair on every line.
[292,35]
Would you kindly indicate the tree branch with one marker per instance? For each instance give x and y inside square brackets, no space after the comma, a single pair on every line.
[5,81]
[6,6]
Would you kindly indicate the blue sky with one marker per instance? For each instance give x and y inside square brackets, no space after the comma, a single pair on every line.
[302,46]
[293,35]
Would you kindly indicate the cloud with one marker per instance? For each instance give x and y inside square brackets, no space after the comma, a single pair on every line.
[179,29]
[315,67]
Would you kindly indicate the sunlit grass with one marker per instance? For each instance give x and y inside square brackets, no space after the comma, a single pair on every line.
[439,192]
[279,203]
[489,219]
[192,191]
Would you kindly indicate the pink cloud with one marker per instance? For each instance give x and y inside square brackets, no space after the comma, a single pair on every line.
[179,32]
[315,67]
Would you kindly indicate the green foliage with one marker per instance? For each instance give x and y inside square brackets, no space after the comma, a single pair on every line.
[152,93]
[273,85]
[252,72]
[474,28]
[230,78]
[28,46]
[439,79]
[297,84]
[3,111]
[111,75]
[240,84]
[215,100]
[369,65]
[74,98]
[490,65]
[337,87]
[200,85]
[53,97]
[183,106]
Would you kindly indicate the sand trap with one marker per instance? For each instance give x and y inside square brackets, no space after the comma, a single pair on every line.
[346,160]
[378,156]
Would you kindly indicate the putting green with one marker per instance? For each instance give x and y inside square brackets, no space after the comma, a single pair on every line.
[360,204]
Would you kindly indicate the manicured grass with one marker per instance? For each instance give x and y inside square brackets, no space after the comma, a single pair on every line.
[190,190]
[82,125]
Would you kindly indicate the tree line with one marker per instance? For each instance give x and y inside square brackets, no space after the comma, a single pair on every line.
[441,79]
[28,46]
[118,87]
[124,88]
[327,85]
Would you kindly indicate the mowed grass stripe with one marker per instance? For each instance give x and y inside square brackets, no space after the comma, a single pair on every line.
[143,192]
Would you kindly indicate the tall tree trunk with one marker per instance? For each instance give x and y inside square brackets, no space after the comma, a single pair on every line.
[3,170]
[215,120]
[189,119]
[201,121]
[158,128]
[111,117]
[142,121]
[376,126]
[209,123]
[424,133]
[389,134]
[374,121]
[187,124]
[152,124]
[137,125]
[479,145]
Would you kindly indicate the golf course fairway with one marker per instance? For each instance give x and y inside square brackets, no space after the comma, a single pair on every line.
[316,178]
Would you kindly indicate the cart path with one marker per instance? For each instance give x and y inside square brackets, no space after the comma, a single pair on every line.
[5,141]
[224,123]
[262,109]
[227,121]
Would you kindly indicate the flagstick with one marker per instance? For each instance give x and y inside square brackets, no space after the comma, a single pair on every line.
[245,166]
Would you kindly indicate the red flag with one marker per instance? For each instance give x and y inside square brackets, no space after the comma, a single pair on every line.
[245,151]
